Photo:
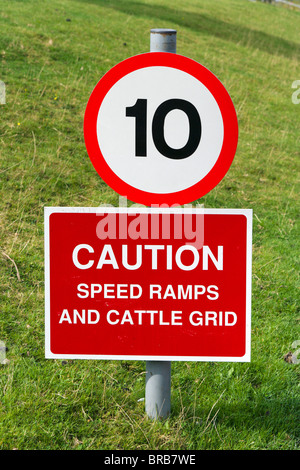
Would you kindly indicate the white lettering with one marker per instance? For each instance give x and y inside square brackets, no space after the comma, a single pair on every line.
[176,317]
[138,263]
[134,287]
[198,290]
[196,318]
[109,291]
[127,318]
[181,292]
[155,289]
[84,288]
[169,257]
[165,260]
[214,291]
[141,317]
[95,289]
[97,316]
[169,292]
[178,257]
[65,317]
[210,318]
[92,317]
[109,320]
[81,317]
[75,256]
[234,320]
[217,262]
[154,249]
[184,294]
[122,291]
[107,250]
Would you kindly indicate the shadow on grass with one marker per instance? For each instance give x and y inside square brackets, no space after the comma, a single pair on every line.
[270,418]
[206,25]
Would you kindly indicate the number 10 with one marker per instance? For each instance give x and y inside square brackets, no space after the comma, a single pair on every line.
[139,111]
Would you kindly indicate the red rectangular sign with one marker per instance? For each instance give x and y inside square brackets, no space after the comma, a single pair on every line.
[160,284]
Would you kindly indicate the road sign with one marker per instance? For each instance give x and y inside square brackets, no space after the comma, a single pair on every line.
[148,284]
[160,128]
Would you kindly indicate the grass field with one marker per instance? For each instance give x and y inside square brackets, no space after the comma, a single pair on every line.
[52,54]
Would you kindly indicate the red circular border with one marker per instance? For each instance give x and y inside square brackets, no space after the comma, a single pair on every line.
[209,80]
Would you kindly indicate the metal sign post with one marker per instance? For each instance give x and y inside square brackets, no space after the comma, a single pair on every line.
[158,373]
[163,40]
[161,163]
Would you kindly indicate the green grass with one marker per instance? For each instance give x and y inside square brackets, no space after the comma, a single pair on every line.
[50,66]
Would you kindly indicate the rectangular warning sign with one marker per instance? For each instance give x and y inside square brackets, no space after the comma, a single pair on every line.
[148,283]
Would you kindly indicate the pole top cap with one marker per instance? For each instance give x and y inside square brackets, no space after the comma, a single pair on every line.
[163,31]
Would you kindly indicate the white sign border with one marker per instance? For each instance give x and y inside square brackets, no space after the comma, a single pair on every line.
[246,212]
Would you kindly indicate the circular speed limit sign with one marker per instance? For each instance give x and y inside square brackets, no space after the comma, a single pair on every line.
[160,128]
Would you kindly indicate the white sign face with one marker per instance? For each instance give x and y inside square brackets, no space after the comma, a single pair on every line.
[116,131]
[160,128]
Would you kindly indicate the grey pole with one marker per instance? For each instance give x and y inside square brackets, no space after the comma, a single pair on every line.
[163,40]
[158,373]
[158,389]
